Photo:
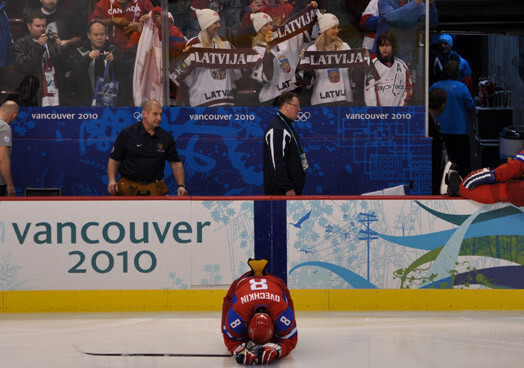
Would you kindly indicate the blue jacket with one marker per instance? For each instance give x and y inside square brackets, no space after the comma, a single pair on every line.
[454,118]
[403,22]
[6,41]
[438,61]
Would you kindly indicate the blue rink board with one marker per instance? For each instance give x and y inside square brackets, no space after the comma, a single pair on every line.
[350,150]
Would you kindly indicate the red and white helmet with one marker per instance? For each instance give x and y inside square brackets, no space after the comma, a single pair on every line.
[260,328]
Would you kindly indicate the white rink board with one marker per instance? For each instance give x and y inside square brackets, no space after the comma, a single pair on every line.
[376,244]
[184,244]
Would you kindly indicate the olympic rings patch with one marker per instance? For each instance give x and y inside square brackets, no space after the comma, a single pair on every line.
[303,116]
[137,115]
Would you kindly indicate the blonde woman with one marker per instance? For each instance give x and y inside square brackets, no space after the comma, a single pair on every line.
[276,72]
[331,86]
[208,86]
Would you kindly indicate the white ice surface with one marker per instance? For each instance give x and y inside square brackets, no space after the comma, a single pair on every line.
[326,339]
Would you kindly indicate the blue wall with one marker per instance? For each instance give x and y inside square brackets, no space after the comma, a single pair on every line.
[351,150]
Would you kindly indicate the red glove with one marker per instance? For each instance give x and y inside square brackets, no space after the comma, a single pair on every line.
[244,356]
[268,353]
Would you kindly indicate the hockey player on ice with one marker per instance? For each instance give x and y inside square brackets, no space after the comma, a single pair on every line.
[498,185]
[258,317]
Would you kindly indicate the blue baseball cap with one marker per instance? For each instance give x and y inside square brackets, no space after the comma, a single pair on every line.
[446,38]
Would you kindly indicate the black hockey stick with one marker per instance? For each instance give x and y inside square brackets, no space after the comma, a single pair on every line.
[153,354]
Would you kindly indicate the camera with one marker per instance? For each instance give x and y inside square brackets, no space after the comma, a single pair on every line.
[51,36]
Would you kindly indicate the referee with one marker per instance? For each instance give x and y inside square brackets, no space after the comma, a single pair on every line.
[139,155]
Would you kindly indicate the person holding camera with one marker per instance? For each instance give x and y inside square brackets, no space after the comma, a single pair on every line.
[61,22]
[89,62]
[38,55]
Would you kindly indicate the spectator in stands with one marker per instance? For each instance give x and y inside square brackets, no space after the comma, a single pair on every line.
[369,24]
[177,41]
[228,11]
[210,86]
[331,86]
[444,54]
[122,18]
[62,22]
[278,10]
[402,18]
[37,54]
[393,87]
[6,40]
[276,72]
[454,120]
[147,78]
[89,63]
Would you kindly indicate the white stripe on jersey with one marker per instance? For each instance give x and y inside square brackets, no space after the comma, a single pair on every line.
[520,156]
[286,134]
[290,334]
[269,141]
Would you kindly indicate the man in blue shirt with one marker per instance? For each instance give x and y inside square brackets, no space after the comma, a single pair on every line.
[403,18]
[454,120]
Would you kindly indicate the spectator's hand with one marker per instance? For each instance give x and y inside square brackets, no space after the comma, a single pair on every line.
[268,37]
[479,177]
[132,27]
[94,54]
[244,356]
[291,192]
[268,353]
[58,41]
[302,54]
[120,21]
[42,40]
[109,56]
[314,4]
[144,18]
[112,187]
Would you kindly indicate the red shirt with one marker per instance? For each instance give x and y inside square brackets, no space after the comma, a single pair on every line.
[106,9]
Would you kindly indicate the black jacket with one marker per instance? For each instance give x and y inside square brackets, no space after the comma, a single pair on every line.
[282,165]
[84,75]
[28,59]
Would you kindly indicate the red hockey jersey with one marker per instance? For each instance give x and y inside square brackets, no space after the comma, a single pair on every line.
[248,293]
[503,190]
[134,10]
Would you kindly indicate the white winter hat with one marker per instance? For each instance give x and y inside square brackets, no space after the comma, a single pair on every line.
[326,21]
[260,20]
[206,17]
